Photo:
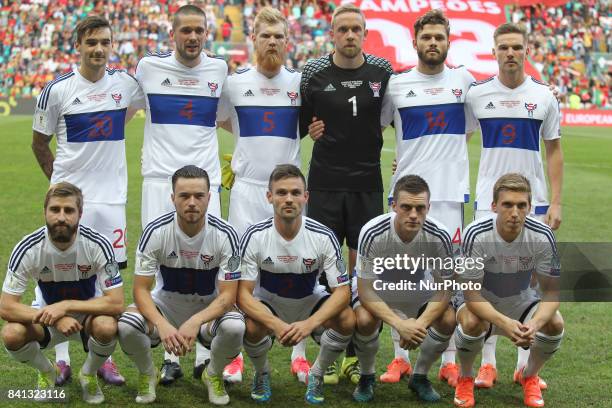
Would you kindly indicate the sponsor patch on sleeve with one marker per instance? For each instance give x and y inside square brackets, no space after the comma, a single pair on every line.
[232,276]
[113,281]
[342,278]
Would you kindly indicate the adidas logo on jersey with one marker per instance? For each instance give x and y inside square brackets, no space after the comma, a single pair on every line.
[45,270]
[490,106]
[248,93]
[172,255]
[410,94]
[77,101]
[268,261]
[166,82]
[329,88]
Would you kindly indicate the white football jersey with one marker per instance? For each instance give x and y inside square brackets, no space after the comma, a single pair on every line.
[181,113]
[378,239]
[430,127]
[188,268]
[264,114]
[512,121]
[508,266]
[81,272]
[88,120]
[291,269]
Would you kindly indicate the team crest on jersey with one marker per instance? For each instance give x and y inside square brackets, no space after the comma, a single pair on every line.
[213,88]
[530,108]
[293,96]
[457,93]
[233,263]
[525,262]
[375,87]
[309,262]
[84,269]
[116,97]
[206,258]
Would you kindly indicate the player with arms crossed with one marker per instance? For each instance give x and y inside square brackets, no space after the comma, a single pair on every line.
[261,107]
[282,259]
[182,90]
[78,276]
[515,111]
[193,259]
[426,104]
[422,317]
[513,246]
[342,95]
[86,109]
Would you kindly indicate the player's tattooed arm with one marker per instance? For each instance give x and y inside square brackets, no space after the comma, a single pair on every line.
[42,152]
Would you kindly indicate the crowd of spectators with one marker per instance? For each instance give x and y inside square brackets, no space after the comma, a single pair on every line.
[570,43]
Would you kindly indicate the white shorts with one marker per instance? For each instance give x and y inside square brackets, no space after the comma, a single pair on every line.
[450,214]
[248,205]
[478,214]
[108,220]
[523,312]
[293,310]
[156,200]
[406,310]
[54,337]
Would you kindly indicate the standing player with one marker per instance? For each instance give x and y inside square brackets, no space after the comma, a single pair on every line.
[426,104]
[511,246]
[182,90]
[423,318]
[342,96]
[263,106]
[515,111]
[86,110]
[282,258]
[193,258]
[75,269]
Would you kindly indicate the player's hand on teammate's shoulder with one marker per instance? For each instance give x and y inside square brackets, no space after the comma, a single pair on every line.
[553,216]
[50,314]
[68,326]
[316,128]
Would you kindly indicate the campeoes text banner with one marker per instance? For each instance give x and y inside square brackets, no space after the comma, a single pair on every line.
[589,117]
[472,22]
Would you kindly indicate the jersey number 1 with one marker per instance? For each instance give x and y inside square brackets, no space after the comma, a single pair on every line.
[354,101]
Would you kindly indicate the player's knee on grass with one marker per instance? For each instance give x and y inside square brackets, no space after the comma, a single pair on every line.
[471,324]
[14,336]
[366,324]
[555,326]
[446,323]
[104,328]
[343,322]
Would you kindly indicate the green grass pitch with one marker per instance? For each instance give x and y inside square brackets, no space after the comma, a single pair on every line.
[579,375]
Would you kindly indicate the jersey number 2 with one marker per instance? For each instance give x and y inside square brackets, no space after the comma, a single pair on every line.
[121,240]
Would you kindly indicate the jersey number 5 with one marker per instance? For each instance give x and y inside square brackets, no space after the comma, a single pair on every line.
[268,118]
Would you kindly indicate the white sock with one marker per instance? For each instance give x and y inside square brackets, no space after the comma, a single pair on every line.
[98,353]
[61,352]
[332,345]
[227,341]
[522,356]
[258,353]
[134,341]
[398,351]
[488,352]
[467,349]
[448,356]
[366,348]
[173,358]
[31,355]
[432,347]
[542,350]
[299,350]
[202,354]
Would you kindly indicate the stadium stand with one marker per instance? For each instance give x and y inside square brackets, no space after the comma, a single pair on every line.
[572,44]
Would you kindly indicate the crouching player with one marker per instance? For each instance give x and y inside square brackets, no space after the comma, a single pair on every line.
[193,258]
[282,258]
[78,276]
[420,312]
[511,246]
